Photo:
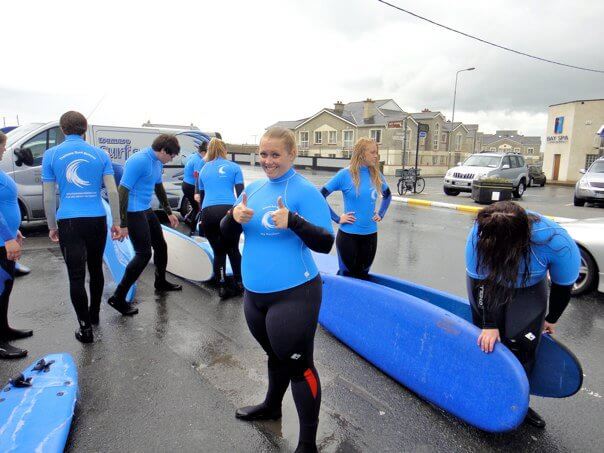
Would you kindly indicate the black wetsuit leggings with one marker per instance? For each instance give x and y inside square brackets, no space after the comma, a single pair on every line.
[221,245]
[145,233]
[82,242]
[356,253]
[520,322]
[7,277]
[189,192]
[284,323]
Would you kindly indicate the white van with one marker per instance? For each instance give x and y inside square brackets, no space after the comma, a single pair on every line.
[26,145]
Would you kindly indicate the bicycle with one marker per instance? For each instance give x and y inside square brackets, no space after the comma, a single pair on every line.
[410,181]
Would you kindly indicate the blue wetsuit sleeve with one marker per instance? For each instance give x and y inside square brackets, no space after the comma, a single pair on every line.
[132,173]
[238,175]
[199,182]
[107,167]
[5,232]
[48,174]
[386,199]
[334,183]
[332,213]
[565,260]
[471,258]
[312,222]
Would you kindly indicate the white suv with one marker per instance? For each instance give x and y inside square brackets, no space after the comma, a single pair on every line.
[497,165]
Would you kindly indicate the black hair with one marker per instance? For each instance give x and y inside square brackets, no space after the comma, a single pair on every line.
[167,142]
[73,123]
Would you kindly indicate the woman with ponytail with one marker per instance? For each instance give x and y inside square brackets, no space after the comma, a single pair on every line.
[360,184]
[509,254]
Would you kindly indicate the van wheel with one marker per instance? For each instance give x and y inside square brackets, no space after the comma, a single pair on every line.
[578,201]
[519,191]
[588,273]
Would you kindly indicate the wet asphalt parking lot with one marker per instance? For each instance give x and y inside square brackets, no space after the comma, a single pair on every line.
[171,377]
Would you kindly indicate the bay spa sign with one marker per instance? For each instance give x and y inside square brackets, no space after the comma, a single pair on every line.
[558,129]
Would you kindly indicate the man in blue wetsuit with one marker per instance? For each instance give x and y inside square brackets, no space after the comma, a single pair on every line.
[143,176]
[10,252]
[80,225]
[194,164]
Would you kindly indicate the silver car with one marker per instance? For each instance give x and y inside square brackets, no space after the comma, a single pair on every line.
[588,234]
[590,188]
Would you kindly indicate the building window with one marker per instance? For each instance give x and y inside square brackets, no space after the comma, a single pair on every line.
[304,140]
[516,150]
[435,143]
[333,137]
[530,150]
[376,134]
[348,139]
[458,142]
[589,159]
[318,137]
[443,138]
[492,149]
[347,153]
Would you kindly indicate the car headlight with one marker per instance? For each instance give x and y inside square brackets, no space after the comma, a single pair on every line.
[584,183]
[449,174]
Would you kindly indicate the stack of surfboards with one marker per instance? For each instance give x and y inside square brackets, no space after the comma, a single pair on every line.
[424,339]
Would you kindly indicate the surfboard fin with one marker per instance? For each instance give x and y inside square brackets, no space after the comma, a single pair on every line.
[43,365]
[20,381]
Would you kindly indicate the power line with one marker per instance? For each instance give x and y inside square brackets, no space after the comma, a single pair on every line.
[488,42]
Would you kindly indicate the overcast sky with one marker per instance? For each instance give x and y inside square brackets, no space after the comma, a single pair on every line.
[239,66]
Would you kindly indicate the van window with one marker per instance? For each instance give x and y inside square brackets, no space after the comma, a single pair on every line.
[506,161]
[42,142]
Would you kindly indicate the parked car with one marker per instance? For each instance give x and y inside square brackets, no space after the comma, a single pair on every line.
[588,236]
[536,176]
[497,165]
[590,188]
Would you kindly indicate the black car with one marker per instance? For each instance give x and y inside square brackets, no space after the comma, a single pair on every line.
[536,176]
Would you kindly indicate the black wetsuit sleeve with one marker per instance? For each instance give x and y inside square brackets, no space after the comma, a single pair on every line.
[160,192]
[202,194]
[229,227]
[239,189]
[559,297]
[124,194]
[335,217]
[316,238]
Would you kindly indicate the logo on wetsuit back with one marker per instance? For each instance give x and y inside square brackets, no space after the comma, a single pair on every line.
[72,173]
[374,194]
[221,170]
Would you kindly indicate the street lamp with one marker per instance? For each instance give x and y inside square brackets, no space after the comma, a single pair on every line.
[453,113]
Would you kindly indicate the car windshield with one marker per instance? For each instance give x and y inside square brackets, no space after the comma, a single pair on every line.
[482,161]
[20,132]
[597,167]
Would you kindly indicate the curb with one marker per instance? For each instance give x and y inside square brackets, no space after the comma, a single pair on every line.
[460,207]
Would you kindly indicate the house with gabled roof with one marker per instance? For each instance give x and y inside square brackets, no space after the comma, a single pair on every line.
[512,141]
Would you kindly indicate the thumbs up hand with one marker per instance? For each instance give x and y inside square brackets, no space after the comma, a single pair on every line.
[280,216]
[241,213]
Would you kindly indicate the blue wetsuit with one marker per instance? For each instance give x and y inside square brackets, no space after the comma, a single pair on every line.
[357,242]
[283,291]
[520,322]
[191,172]
[217,179]
[10,215]
[78,169]
[141,173]
[192,168]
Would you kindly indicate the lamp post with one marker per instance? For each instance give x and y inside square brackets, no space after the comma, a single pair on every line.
[453,112]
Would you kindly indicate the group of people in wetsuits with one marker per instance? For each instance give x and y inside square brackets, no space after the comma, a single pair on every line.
[284,217]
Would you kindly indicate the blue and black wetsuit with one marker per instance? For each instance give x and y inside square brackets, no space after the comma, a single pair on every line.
[357,242]
[191,173]
[10,218]
[283,291]
[78,168]
[142,173]
[218,181]
[520,322]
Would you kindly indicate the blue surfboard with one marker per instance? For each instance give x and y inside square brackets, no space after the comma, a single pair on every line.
[36,411]
[117,255]
[428,350]
[557,372]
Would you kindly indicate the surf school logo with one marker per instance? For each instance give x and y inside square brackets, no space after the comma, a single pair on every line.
[267,222]
[374,194]
[221,170]
[72,173]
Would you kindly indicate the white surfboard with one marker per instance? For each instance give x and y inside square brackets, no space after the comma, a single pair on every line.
[188,258]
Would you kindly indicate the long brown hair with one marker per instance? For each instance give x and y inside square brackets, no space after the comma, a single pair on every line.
[358,159]
[504,242]
[216,149]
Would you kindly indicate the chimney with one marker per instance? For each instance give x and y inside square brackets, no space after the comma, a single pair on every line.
[339,107]
[368,110]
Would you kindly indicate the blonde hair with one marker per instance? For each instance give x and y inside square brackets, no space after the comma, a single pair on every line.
[216,149]
[285,135]
[358,159]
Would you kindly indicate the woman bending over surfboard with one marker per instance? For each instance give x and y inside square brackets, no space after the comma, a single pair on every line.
[360,184]
[284,217]
[509,254]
